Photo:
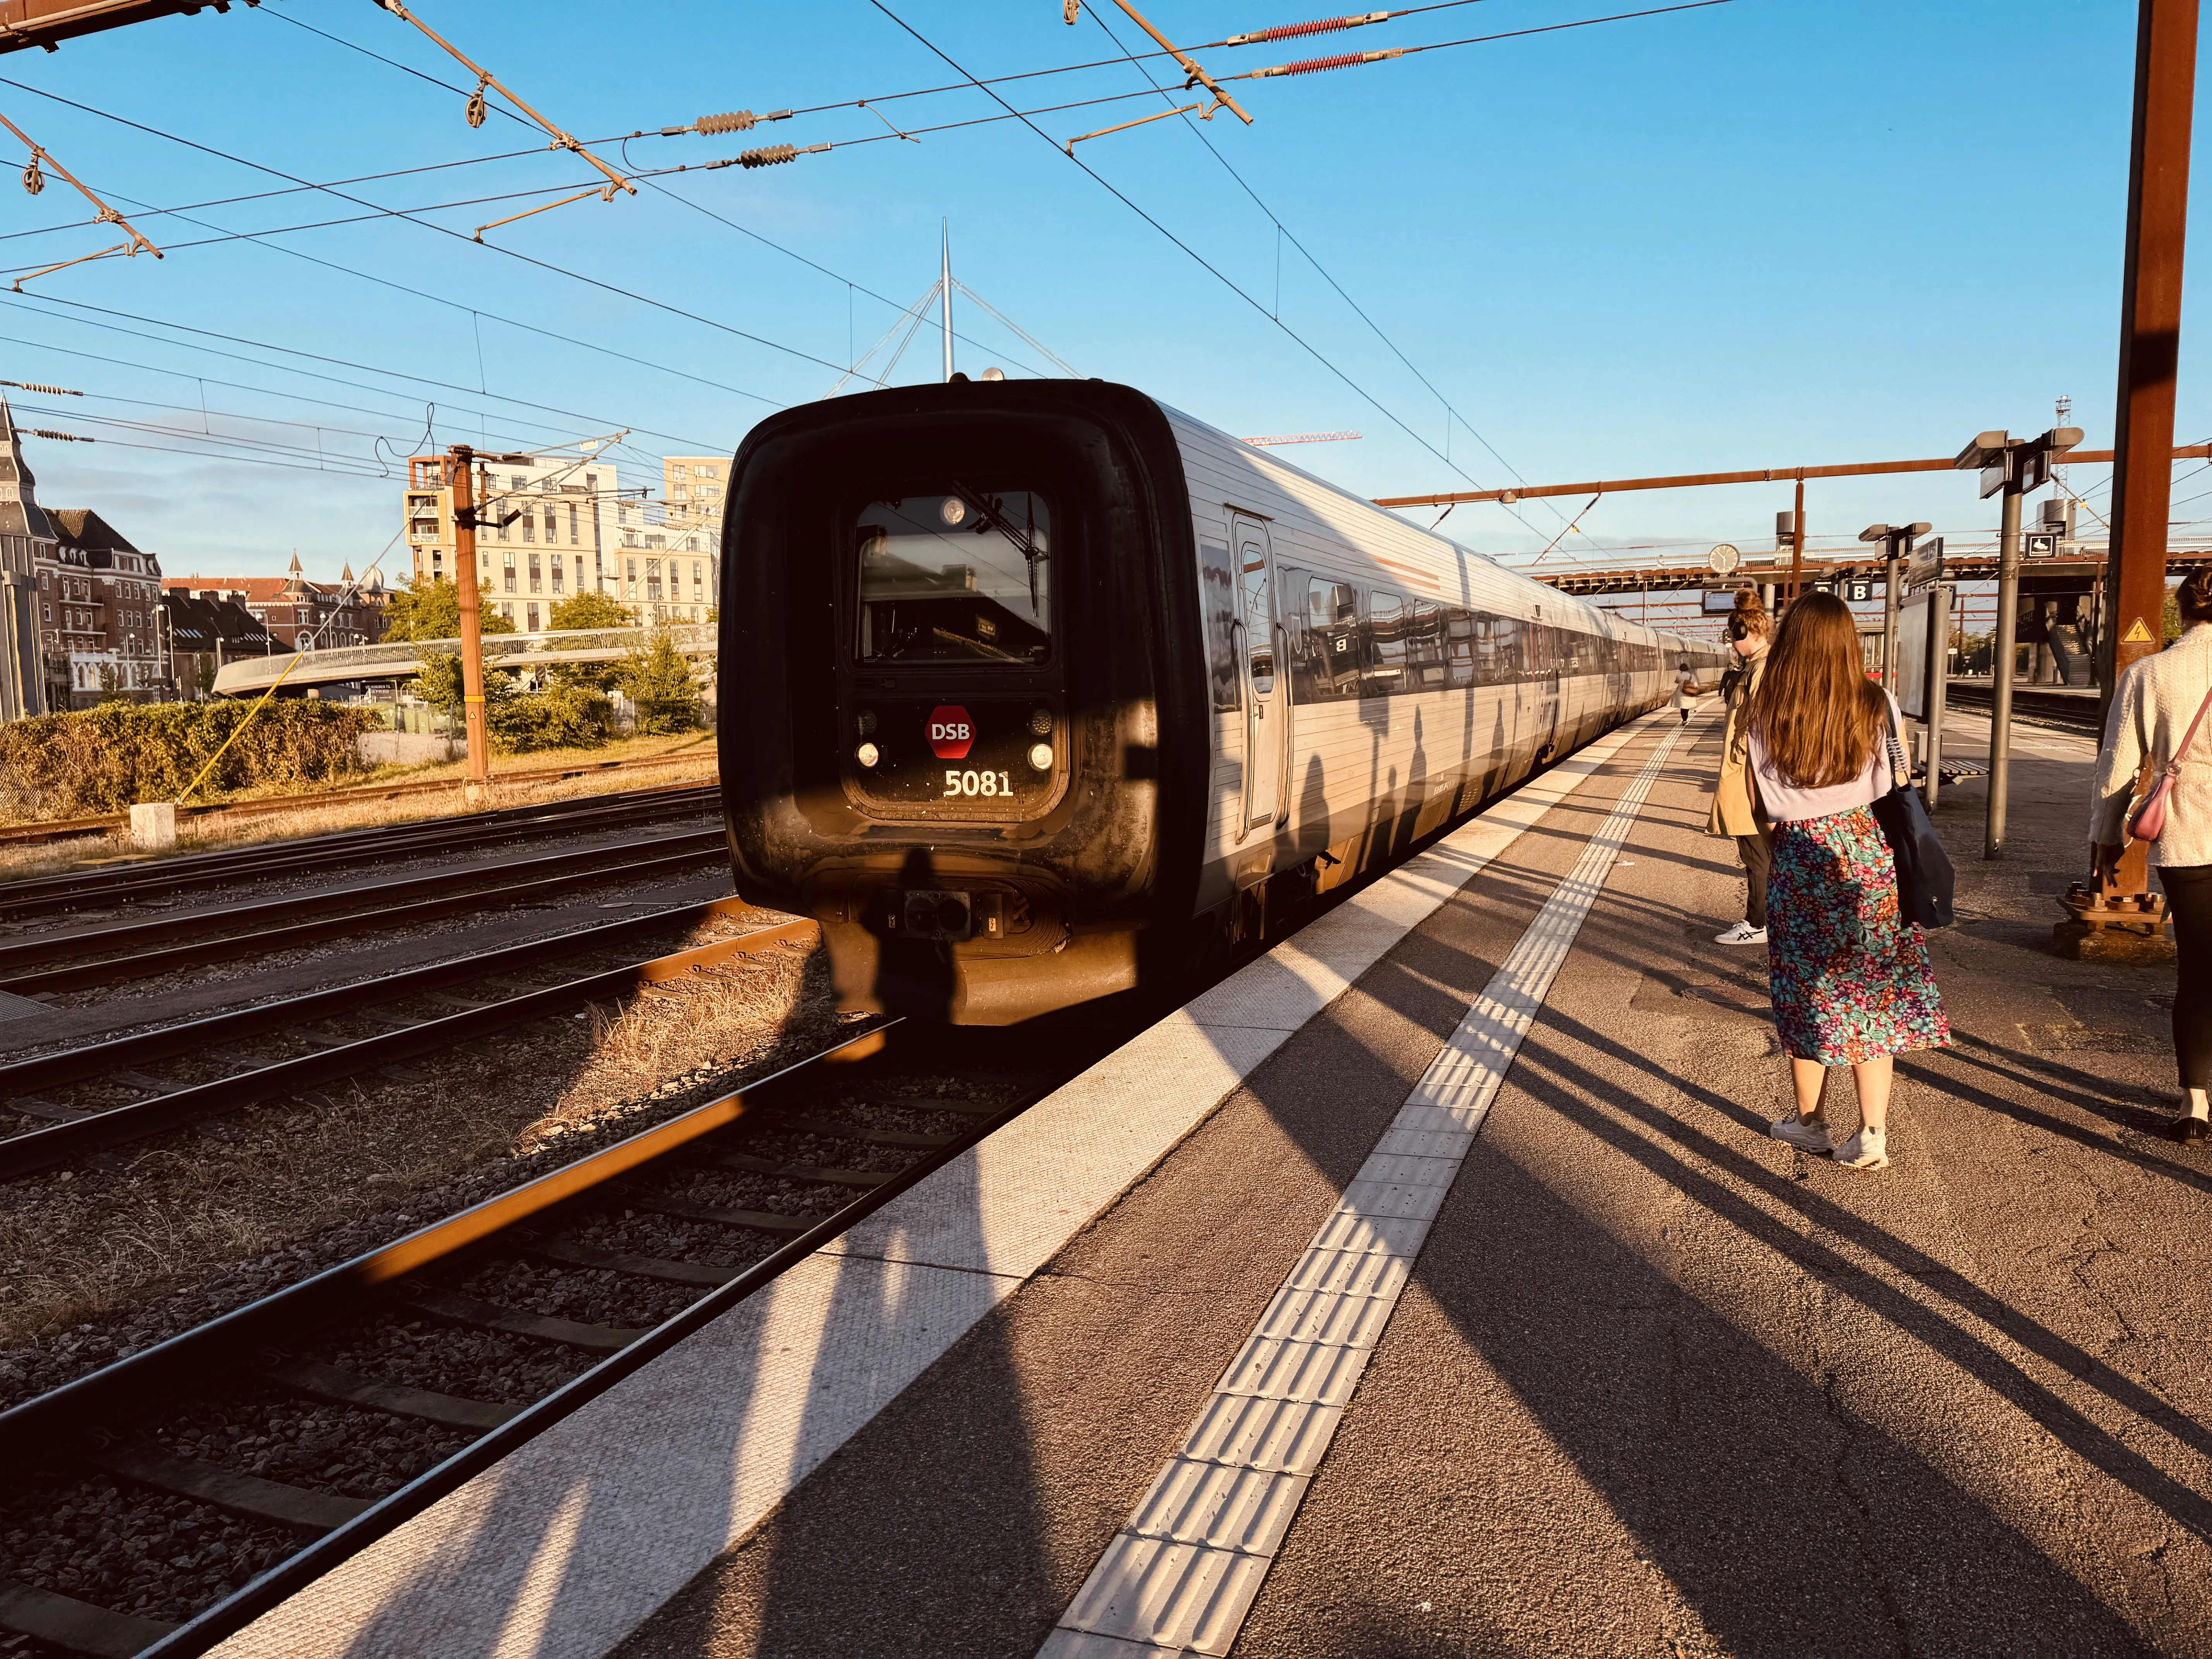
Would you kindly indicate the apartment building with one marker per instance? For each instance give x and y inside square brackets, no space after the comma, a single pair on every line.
[557,540]
[80,600]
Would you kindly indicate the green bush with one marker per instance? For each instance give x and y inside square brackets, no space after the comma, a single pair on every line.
[658,682]
[110,757]
[565,717]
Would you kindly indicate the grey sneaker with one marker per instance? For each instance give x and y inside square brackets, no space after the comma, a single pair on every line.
[1806,1137]
[1867,1149]
[1743,933]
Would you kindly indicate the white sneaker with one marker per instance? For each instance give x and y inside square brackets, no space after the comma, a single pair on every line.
[1806,1137]
[1743,933]
[1867,1149]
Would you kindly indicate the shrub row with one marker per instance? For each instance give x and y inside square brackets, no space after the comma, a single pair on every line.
[110,758]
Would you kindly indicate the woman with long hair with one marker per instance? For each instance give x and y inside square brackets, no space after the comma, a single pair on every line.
[2157,702]
[1850,979]
[1736,809]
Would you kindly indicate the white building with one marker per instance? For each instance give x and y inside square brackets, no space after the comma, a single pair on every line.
[579,530]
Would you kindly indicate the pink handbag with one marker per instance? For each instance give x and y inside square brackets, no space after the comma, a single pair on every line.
[2146,819]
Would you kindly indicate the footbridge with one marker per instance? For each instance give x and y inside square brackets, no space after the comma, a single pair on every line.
[400,659]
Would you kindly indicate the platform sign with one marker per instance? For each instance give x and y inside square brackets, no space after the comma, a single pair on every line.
[1925,566]
[1719,601]
[1859,589]
[1923,639]
[2039,545]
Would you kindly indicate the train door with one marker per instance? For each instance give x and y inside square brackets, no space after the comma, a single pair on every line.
[1543,650]
[1266,677]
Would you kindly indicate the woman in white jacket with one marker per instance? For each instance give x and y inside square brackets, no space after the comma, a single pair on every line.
[2151,713]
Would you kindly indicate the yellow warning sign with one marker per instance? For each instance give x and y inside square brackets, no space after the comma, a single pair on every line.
[2138,633]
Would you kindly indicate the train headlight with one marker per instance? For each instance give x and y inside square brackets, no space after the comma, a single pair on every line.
[865,722]
[953,511]
[867,754]
[1041,757]
[1040,722]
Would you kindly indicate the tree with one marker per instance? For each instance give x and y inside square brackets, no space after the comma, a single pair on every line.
[111,683]
[429,609]
[656,679]
[587,611]
[592,610]
[438,685]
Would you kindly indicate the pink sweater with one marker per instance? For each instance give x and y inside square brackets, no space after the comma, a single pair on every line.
[1787,802]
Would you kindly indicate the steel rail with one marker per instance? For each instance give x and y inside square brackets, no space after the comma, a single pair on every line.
[144,878]
[39,1149]
[404,903]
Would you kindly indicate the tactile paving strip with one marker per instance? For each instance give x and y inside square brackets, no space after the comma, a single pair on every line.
[1182,1575]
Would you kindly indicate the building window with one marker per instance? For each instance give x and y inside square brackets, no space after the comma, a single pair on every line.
[519,482]
[534,587]
[572,524]
[552,529]
[556,574]
[529,528]
[633,573]
[533,618]
[653,581]
[506,610]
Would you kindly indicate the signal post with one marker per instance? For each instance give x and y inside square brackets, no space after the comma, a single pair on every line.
[460,470]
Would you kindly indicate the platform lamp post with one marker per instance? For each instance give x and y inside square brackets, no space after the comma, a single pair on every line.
[1897,540]
[2013,466]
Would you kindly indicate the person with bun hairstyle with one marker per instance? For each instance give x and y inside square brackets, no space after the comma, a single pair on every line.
[1848,974]
[2153,707]
[1736,811]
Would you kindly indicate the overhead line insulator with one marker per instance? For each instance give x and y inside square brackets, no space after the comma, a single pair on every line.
[35,386]
[742,121]
[1319,26]
[64,437]
[773,155]
[1315,65]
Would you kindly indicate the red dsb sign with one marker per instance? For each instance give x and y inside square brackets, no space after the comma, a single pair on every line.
[951,731]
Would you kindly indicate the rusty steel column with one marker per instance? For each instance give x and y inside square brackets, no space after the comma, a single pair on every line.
[2150,340]
[2005,634]
[460,464]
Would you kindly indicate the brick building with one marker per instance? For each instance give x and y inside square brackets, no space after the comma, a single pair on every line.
[299,613]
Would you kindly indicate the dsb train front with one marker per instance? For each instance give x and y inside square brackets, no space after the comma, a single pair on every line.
[1036,692]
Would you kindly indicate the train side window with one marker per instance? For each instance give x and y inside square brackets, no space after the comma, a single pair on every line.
[1461,665]
[1217,586]
[1384,673]
[1424,647]
[1508,648]
[1331,636]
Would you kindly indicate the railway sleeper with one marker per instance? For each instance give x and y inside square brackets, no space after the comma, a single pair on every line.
[321,1382]
[76,1626]
[240,1494]
[767,1221]
[769,1166]
[520,1322]
[815,1126]
[708,1274]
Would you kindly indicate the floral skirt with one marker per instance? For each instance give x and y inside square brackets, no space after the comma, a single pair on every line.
[1850,978]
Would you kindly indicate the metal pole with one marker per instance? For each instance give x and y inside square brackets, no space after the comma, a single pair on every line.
[2150,339]
[1939,685]
[2007,632]
[1797,542]
[944,283]
[1889,621]
[461,462]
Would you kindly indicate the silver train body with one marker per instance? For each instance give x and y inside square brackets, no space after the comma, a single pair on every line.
[1041,693]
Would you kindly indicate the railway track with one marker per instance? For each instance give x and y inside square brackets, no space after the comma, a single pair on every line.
[99,1096]
[163,1503]
[141,880]
[2076,714]
[77,959]
[38,834]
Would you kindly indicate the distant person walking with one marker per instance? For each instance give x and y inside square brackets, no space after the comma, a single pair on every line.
[1685,691]
[2153,709]
[1736,809]
[1849,975]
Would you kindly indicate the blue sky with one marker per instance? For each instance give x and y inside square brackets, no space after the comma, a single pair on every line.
[1760,233]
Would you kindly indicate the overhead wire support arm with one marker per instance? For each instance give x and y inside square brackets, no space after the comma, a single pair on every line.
[562,140]
[35,181]
[1198,77]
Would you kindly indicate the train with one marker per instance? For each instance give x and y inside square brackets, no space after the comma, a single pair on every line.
[1041,695]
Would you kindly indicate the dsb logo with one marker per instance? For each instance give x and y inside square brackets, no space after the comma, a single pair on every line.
[952,733]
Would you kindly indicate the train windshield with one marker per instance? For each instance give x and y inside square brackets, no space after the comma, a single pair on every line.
[964,576]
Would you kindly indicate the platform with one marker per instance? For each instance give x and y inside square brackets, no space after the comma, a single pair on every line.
[1432,1286]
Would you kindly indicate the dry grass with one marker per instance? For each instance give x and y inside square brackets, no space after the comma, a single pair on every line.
[686,759]
[177,1229]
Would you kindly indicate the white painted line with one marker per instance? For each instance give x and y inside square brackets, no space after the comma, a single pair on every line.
[1182,1575]
[678,1461]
